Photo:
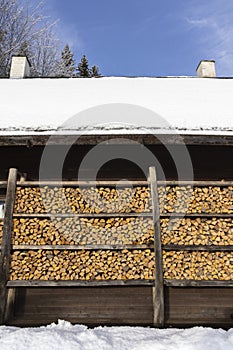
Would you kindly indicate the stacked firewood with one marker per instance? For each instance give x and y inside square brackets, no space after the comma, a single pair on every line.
[198,265]
[197,231]
[121,264]
[81,200]
[61,231]
[211,199]
[82,265]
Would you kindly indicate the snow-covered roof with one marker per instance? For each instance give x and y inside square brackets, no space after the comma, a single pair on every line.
[186,105]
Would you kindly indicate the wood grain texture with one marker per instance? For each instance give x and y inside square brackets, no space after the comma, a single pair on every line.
[131,305]
[158,287]
[199,306]
[6,241]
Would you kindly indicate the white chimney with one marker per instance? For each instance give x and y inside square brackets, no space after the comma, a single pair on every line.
[20,67]
[206,69]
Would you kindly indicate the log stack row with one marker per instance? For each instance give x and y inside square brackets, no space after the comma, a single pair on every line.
[211,199]
[57,231]
[126,264]
[83,265]
[198,265]
[82,200]
[197,231]
[61,231]
[113,265]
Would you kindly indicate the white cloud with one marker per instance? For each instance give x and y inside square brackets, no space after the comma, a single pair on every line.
[197,22]
[214,28]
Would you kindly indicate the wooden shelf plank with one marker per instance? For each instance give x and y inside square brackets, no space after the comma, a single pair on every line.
[6,243]
[167,247]
[195,183]
[210,248]
[78,283]
[3,184]
[82,215]
[158,295]
[196,283]
[196,215]
[83,247]
[100,183]
[123,183]
[102,215]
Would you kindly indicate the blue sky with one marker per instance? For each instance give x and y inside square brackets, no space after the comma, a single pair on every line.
[148,37]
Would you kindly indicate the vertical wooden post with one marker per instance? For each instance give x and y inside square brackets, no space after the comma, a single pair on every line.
[6,242]
[158,290]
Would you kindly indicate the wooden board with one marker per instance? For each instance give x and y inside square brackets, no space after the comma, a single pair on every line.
[199,306]
[184,307]
[158,296]
[6,243]
[92,306]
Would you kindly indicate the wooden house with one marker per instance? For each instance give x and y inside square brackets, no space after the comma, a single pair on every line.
[165,141]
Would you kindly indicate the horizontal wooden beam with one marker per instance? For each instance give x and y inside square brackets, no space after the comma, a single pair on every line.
[3,184]
[196,215]
[196,283]
[83,247]
[151,138]
[79,283]
[211,248]
[122,215]
[83,215]
[113,183]
[167,247]
[196,183]
[82,183]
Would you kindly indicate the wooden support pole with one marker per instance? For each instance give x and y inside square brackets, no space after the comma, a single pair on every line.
[6,243]
[158,296]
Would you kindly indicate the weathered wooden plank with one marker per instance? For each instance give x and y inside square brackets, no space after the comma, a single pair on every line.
[6,241]
[96,305]
[10,303]
[78,283]
[3,184]
[83,215]
[158,287]
[195,215]
[203,306]
[82,247]
[196,183]
[208,248]
[145,139]
[97,183]
[196,283]
[122,183]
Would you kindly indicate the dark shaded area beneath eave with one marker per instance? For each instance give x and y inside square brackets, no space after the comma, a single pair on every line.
[209,162]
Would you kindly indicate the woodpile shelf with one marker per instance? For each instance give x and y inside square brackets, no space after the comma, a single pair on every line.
[141,258]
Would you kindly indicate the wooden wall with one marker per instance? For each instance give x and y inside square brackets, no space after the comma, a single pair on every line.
[87,305]
[122,305]
[184,307]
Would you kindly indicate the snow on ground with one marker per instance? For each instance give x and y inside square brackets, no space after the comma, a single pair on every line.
[196,105]
[65,336]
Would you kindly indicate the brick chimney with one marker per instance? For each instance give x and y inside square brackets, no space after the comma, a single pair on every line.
[20,67]
[206,69]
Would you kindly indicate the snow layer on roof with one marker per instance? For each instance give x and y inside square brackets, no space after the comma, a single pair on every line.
[117,105]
